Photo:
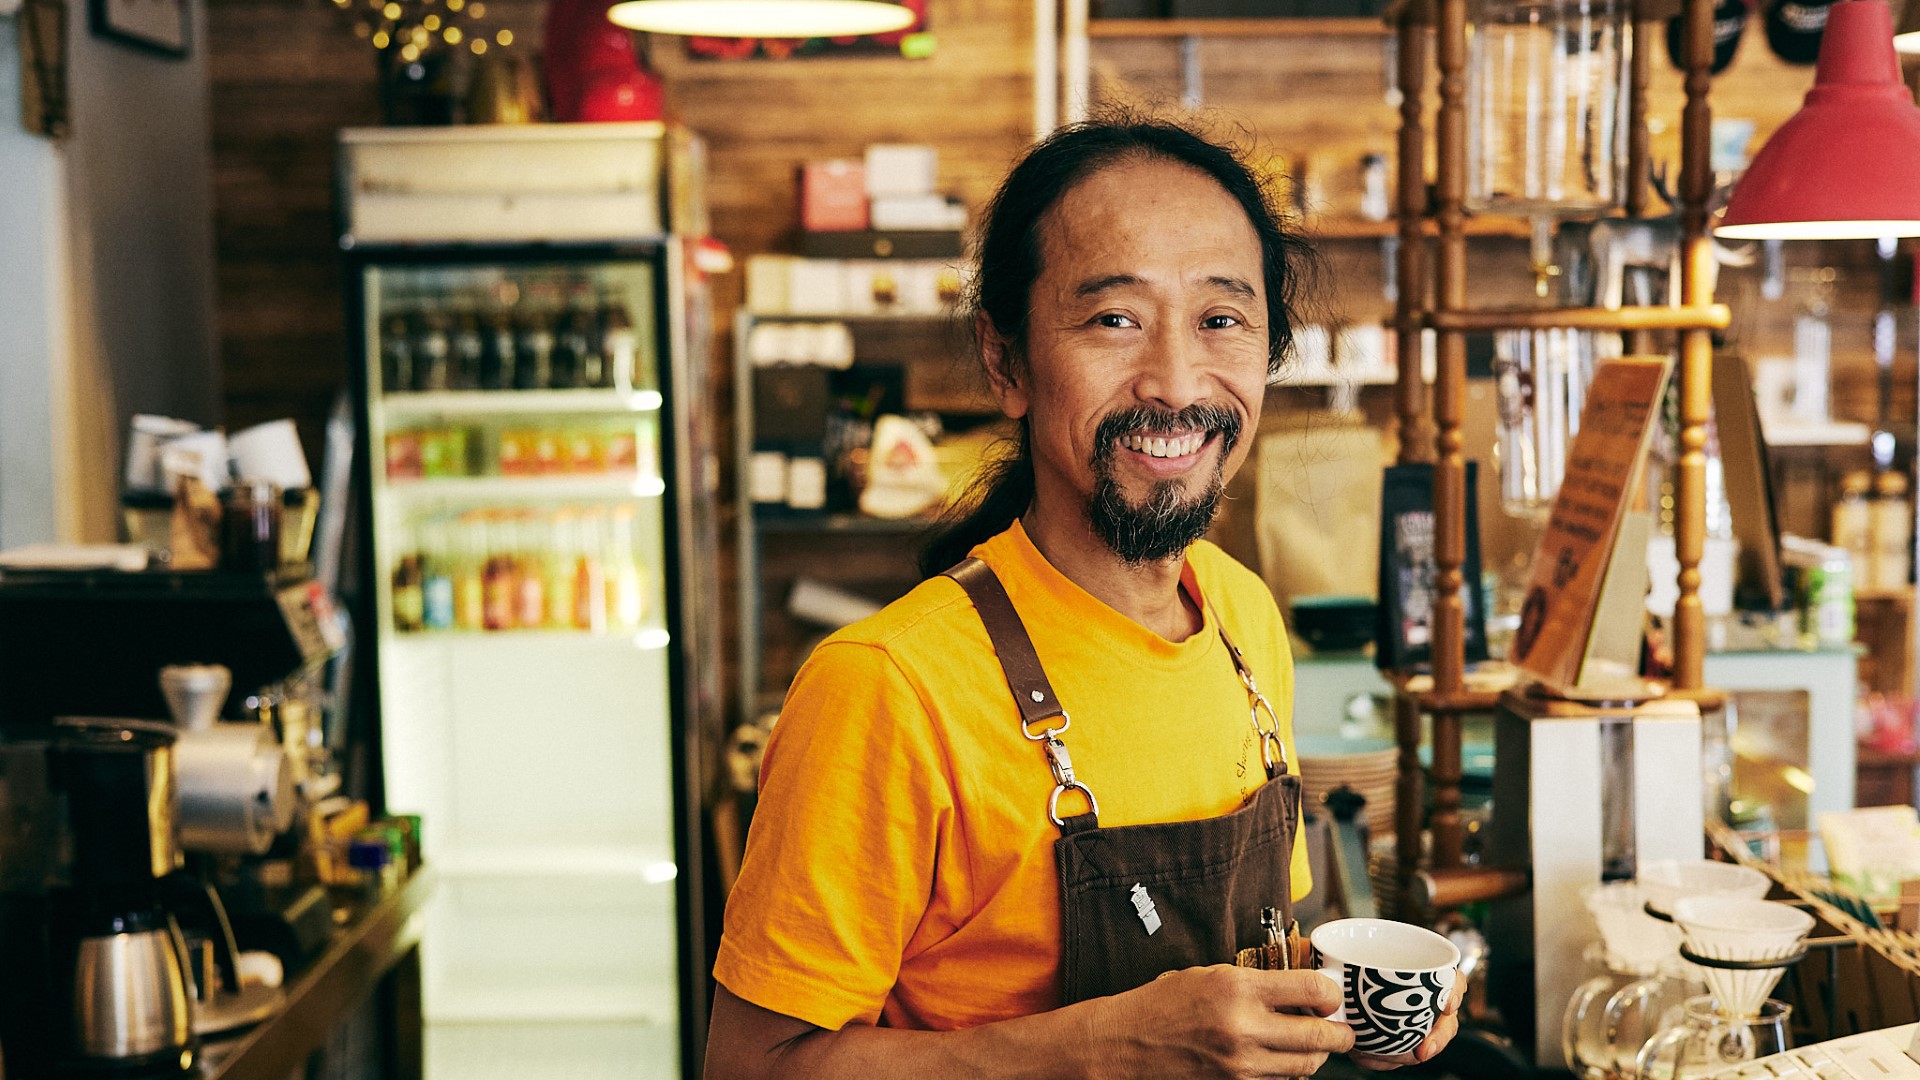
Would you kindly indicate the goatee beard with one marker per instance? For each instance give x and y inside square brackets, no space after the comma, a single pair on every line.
[1167,522]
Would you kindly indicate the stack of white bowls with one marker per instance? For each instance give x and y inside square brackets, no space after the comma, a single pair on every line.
[1368,766]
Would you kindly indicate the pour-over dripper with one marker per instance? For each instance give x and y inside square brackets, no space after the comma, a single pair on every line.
[1743,944]
[1635,941]
[1665,881]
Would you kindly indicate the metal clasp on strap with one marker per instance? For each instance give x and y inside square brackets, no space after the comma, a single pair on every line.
[1273,753]
[1061,762]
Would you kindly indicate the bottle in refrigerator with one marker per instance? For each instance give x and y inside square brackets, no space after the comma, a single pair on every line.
[557,563]
[620,344]
[533,351]
[436,575]
[626,590]
[469,572]
[498,351]
[499,590]
[585,339]
[409,601]
[589,573]
[566,365]
[430,352]
[465,348]
[396,356]
[530,576]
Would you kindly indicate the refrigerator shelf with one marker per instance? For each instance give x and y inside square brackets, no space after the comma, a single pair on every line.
[516,402]
[645,639]
[489,488]
[544,862]
[557,1006]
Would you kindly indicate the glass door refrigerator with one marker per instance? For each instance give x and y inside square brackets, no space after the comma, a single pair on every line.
[536,527]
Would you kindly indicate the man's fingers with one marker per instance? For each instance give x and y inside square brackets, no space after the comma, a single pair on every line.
[1437,1039]
[1297,991]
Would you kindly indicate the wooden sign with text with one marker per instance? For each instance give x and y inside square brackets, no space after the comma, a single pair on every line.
[1577,582]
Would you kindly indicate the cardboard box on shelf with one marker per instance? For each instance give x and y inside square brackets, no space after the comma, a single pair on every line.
[901,169]
[909,212]
[833,196]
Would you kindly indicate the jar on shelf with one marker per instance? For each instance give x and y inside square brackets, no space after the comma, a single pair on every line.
[1547,105]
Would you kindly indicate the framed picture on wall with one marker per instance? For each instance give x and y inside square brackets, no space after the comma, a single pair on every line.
[158,26]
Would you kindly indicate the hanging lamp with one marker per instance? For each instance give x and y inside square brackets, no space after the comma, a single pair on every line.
[1906,31]
[763,18]
[1847,165]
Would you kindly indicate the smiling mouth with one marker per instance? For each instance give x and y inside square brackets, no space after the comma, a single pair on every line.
[1166,446]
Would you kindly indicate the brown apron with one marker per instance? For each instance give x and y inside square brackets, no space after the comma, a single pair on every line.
[1138,901]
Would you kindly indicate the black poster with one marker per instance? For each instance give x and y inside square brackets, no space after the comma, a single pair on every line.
[1404,638]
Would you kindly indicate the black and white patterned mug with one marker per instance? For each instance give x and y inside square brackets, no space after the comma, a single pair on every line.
[1395,979]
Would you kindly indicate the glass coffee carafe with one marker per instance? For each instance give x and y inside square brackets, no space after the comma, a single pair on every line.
[1710,1038]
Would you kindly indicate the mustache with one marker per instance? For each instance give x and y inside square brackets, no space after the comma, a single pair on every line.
[1204,416]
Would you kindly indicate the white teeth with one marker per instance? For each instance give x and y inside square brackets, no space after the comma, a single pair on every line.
[1162,447]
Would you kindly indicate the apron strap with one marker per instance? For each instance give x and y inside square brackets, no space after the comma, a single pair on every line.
[1039,706]
[1031,690]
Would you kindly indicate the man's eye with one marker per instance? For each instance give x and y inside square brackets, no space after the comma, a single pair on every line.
[1220,322]
[1115,321]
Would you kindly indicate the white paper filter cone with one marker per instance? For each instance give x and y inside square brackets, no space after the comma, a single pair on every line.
[1745,929]
[1665,881]
[1634,940]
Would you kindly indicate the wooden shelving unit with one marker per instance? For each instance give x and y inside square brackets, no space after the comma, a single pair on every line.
[1216,28]
[1352,229]
[1445,309]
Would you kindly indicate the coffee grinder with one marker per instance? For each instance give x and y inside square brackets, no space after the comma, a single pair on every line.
[119,961]
[93,644]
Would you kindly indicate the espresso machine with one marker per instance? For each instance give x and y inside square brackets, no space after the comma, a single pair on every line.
[114,832]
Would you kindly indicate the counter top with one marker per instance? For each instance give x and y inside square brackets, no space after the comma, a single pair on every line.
[383,941]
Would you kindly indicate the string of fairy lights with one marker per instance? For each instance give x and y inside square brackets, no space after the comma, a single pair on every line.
[416,27]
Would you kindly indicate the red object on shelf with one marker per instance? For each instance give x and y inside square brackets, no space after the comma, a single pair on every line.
[594,73]
[833,196]
[1848,158]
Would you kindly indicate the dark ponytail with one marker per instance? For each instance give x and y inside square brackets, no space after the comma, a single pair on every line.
[999,299]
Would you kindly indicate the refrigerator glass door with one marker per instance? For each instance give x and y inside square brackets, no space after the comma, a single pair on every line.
[520,543]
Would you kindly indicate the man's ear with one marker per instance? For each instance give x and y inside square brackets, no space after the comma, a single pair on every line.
[1003,373]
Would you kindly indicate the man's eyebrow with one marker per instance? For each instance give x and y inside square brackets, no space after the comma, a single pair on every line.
[1096,286]
[1234,285]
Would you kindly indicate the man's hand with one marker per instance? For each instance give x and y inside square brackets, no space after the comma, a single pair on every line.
[1436,1040]
[1220,1021]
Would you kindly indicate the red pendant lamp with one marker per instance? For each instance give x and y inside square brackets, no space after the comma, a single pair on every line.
[1847,165]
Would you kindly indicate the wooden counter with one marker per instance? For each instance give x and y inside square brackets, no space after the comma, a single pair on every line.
[379,952]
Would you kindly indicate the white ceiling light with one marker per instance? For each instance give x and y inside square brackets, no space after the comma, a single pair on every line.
[762,18]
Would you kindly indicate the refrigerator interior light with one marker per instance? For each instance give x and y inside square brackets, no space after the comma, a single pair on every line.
[762,18]
[1842,167]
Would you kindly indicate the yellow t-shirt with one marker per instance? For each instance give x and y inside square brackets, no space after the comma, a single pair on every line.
[900,866]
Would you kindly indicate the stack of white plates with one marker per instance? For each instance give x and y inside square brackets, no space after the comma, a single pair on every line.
[1368,766]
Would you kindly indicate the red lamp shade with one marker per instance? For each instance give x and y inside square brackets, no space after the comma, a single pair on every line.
[1847,165]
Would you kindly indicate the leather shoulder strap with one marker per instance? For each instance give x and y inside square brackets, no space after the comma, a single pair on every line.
[1031,690]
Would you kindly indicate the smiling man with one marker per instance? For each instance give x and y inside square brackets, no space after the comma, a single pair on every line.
[1022,822]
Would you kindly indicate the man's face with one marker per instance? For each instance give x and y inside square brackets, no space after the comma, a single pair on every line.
[1146,355]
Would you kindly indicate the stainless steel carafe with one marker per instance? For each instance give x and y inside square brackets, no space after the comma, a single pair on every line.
[130,993]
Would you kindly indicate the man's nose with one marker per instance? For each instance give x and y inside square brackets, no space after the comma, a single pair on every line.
[1175,373]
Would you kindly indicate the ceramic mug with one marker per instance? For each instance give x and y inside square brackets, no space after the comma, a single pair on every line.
[1395,979]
